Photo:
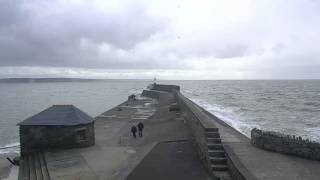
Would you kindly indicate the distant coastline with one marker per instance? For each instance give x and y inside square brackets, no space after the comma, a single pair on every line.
[39,80]
[62,79]
[53,80]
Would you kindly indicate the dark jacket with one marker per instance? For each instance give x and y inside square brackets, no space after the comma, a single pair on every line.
[140,126]
[133,129]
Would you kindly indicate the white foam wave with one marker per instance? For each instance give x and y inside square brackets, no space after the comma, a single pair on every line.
[135,91]
[227,115]
[313,133]
[10,148]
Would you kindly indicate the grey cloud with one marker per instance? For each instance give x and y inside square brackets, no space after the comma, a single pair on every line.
[58,33]
[259,51]
[232,51]
[278,48]
[50,35]
[11,12]
[209,46]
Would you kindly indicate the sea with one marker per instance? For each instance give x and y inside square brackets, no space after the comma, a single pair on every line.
[286,106]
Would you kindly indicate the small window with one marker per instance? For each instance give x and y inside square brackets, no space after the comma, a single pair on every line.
[81,135]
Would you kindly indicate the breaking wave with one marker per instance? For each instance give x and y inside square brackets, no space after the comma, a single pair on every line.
[227,115]
[10,148]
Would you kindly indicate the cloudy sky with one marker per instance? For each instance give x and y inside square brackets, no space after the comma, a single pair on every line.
[167,39]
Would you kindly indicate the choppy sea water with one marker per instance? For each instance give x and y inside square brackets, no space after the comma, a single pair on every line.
[291,107]
[287,106]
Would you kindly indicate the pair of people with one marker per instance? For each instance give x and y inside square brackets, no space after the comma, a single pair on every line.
[134,130]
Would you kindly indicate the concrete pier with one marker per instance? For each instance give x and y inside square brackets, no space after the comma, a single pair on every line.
[188,143]
[116,155]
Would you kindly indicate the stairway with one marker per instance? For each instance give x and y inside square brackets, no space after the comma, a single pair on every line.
[218,160]
[33,167]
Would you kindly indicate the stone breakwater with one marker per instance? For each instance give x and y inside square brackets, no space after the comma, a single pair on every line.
[285,144]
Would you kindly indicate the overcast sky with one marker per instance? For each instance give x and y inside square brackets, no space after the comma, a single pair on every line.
[167,39]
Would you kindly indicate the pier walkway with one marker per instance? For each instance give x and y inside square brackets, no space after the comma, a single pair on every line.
[164,152]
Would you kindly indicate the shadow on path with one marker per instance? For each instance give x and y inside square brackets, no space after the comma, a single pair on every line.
[170,160]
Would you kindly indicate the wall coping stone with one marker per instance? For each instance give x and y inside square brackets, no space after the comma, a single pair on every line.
[205,120]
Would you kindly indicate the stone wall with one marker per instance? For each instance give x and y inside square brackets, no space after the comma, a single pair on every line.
[35,138]
[196,122]
[160,91]
[200,122]
[286,144]
[163,87]
[151,94]
[163,97]
[236,168]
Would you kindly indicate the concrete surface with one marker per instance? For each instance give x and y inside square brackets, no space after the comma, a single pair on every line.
[116,153]
[170,160]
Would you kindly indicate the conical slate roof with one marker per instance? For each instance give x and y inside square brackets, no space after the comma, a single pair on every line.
[59,115]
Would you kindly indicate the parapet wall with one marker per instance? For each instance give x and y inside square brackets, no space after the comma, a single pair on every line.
[163,97]
[198,124]
[151,94]
[164,87]
[286,144]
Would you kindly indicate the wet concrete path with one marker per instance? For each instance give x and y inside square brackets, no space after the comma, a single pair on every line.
[170,160]
[116,153]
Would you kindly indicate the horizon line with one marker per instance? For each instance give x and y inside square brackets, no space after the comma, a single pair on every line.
[78,78]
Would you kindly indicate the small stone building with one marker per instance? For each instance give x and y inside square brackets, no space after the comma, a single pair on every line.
[57,127]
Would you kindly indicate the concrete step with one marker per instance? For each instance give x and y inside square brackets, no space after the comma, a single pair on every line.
[20,176]
[44,169]
[216,153]
[222,175]
[212,129]
[212,135]
[37,166]
[24,170]
[215,146]
[218,160]
[219,167]
[180,118]
[27,169]
[32,170]
[213,140]
[33,167]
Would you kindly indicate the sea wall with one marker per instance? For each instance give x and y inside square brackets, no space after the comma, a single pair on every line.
[163,97]
[197,124]
[164,87]
[286,144]
[151,94]
[201,123]
[236,168]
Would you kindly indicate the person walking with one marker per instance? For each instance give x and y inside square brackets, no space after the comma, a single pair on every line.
[134,131]
[140,128]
